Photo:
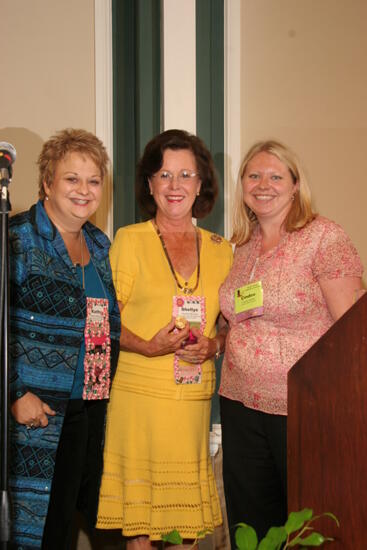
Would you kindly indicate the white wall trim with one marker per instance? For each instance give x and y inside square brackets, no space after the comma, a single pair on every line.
[232,106]
[104,101]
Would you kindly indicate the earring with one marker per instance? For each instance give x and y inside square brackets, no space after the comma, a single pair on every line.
[150,192]
[198,193]
[46,198]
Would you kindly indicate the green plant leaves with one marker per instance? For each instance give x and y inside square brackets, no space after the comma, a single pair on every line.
[246,538]
[173,537]
[314,539]
[298,524]
[273,539]
[296,520]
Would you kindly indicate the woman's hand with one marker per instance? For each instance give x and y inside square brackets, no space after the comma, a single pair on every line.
[204,349]
[30,410]
[167,340]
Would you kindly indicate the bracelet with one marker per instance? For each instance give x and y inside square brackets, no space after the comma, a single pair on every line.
[217,353]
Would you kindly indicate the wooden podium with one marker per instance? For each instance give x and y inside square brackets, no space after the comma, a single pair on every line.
[327,430]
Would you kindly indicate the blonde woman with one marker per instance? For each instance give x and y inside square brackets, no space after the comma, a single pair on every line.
[294,274]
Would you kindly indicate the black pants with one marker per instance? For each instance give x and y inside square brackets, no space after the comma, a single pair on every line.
[78,459]
[254,467]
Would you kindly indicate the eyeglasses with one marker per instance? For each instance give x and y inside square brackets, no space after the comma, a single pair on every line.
[165,176]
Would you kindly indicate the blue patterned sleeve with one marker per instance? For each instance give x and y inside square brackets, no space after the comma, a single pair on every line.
[17,271]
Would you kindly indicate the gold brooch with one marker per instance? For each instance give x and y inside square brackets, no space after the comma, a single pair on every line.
[216,238]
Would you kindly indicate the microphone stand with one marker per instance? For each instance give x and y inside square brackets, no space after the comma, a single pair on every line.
[5,208]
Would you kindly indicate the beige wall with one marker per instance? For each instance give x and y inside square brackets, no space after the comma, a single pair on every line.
[48,80]
[304,81]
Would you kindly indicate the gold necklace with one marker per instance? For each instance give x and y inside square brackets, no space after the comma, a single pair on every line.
[185,289]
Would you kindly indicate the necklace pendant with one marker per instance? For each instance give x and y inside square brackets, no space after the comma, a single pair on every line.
[185,289]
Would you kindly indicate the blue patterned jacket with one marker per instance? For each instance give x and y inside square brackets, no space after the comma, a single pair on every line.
[47,318]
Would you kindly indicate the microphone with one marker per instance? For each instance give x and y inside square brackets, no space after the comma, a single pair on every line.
[8,154]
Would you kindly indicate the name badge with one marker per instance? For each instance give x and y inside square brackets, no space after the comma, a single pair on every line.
[248,301]
[97,359]
[191,308]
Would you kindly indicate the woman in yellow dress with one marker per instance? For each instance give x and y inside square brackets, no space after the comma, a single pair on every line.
[167,273]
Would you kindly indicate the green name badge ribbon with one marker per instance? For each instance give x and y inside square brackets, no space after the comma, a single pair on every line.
[248,301]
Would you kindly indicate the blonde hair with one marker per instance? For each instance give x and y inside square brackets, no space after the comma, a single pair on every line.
[61,144]
[244,219]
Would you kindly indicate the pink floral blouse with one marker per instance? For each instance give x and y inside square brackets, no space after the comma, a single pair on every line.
[260,351]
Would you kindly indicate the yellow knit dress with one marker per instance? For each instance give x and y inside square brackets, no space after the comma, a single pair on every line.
[157,469]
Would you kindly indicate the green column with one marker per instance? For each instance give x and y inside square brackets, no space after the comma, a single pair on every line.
[210,94]
[136,26]
[210,114]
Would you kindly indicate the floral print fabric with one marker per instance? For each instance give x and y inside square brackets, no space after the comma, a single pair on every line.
[260,351]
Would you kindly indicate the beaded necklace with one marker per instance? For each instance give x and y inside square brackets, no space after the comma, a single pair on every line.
[185,289]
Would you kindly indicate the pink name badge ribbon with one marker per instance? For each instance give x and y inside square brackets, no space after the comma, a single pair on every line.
[192,308]
[97,360]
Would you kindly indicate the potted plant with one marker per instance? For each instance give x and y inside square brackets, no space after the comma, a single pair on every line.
[297,531]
